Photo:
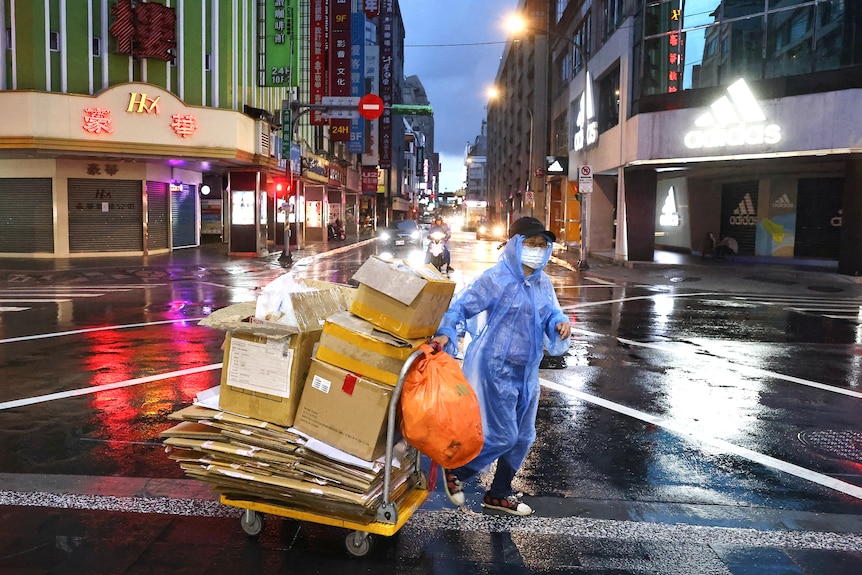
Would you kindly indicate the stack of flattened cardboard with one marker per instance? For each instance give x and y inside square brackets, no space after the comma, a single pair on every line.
[244,457]
[360,355]
[307,429]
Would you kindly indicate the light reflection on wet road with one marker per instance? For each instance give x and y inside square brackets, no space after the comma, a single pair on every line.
[703,367]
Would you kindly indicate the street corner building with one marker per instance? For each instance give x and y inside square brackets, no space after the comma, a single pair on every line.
[655,123]
[138,127]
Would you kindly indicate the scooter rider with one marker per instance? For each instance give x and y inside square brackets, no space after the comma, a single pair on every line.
[440,226]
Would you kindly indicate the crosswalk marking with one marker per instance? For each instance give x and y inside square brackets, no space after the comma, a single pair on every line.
[57,294]
[831,308]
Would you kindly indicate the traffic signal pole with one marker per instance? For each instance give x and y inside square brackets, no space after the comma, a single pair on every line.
[369,107]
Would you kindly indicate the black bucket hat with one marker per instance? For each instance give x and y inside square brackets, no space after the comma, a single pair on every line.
[529,227]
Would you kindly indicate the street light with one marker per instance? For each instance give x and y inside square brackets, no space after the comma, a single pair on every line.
[494,94]
[516,24]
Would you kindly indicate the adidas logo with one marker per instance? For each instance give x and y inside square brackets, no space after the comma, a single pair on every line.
[669,216]
[783,202]
[744,214]
[587,132]
[733,120]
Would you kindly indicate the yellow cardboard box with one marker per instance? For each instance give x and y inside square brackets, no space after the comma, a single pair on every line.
[344,410]
[354,344]
[405,300]
[265,363]
[263,376]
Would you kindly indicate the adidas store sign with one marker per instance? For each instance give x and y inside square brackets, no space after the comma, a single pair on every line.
[736,120]
[745,214]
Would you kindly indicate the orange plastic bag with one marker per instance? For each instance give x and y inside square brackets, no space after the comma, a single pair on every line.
[440,414]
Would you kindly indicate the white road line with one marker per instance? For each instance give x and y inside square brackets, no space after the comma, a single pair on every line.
[725,446]
[14,289]
[425,520]
[108,386]
[740,367]
[634,298]
[13,308]
[52,300]
[95,329]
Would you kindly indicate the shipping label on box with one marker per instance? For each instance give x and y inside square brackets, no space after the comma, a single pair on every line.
[402,299]
[263,377]
[354,344]
[344,410]
[260,366]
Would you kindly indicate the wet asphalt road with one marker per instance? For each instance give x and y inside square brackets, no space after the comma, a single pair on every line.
[720,411]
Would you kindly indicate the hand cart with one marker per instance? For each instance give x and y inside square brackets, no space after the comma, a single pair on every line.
[389,517]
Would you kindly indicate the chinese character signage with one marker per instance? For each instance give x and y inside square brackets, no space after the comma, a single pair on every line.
[386,80]
[339,63]
[281,53]
[317,34]
[356,144]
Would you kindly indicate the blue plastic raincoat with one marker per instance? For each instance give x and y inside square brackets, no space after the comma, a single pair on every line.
[502,360]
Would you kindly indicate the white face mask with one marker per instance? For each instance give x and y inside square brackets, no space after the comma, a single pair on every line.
[532,257]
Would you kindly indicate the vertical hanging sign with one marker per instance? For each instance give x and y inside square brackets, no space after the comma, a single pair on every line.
[387,30]
[356,144]
[339,63]
[317,57]
[280,57]
[371,154]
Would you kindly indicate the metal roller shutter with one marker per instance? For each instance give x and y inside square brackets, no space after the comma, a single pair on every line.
[27,218]
[739,214]
[105,215]
[818,222]
[184,210]
[157,215]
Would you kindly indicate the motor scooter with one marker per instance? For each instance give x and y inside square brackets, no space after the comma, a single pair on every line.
[335,231]
[436,253]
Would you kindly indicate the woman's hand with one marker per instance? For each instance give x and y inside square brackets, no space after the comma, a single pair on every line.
[564,328]
[441,339]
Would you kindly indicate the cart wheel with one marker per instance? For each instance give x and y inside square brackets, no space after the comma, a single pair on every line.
[252,522]
[358,543]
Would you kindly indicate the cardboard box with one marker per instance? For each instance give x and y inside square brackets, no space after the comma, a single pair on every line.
[263,376]
[354,344]
[402,299]
[345,410]
[266,363]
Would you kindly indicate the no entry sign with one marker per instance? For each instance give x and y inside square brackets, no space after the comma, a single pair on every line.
[370,106]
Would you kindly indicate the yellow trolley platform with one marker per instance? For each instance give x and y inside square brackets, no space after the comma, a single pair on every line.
[389,518]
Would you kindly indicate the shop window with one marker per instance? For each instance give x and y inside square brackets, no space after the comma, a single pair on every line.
[97,47]
[612,16]
[561,7]
[741,50]
[740,8]
[790,36]
[582,38]
[54,41]
[609,100]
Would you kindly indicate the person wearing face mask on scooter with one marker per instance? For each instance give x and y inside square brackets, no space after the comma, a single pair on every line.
[520,314]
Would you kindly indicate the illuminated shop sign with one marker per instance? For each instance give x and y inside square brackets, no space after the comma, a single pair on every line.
[745,213]
[99,121]
[669,216]
[733,120]
[588,128]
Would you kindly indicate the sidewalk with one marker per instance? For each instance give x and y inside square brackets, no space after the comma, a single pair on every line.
[677,270]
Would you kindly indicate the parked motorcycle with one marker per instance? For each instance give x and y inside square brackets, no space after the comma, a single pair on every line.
[335,231]
[436,253]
